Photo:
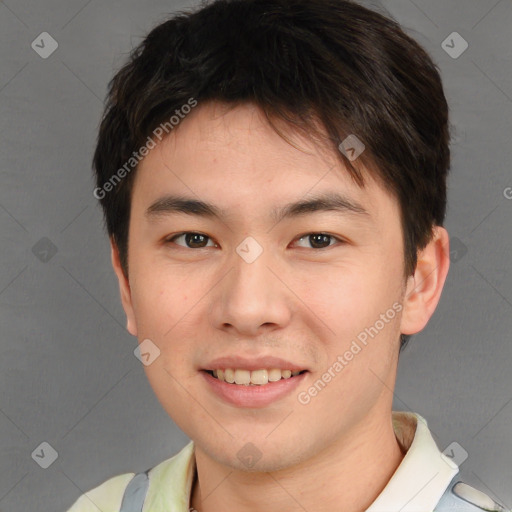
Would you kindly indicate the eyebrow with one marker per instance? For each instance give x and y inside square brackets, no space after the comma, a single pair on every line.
[330,201]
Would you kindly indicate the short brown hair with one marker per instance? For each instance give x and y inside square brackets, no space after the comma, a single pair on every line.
[328,63]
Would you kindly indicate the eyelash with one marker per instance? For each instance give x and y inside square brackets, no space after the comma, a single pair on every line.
[174,237]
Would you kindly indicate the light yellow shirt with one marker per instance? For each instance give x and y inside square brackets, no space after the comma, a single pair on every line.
[416,486]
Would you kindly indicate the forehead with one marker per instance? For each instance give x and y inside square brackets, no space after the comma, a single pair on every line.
[233,159]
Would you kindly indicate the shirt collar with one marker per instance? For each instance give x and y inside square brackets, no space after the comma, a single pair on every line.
[424,473]
[416,486]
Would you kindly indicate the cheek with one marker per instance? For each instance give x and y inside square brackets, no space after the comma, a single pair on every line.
[349,302]
[342,297]
[164,314]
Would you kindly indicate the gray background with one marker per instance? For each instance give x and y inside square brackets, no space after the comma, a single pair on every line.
[68,375]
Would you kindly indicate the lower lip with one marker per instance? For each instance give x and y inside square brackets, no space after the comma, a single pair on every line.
[253,396]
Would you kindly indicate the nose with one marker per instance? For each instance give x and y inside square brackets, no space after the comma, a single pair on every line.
[253,297]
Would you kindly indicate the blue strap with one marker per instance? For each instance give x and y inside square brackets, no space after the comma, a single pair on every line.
[451,500]
[456,499]
[135,493]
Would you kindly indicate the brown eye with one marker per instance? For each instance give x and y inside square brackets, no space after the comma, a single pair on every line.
[319,240]
[192,240]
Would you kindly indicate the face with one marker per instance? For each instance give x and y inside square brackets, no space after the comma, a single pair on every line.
[321,290]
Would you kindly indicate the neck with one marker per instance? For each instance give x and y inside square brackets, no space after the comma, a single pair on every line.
[348,476]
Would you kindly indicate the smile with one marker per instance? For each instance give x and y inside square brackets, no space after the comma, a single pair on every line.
[252,378]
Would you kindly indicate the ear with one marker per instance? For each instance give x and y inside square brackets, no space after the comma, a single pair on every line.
[124,288]
[424,287]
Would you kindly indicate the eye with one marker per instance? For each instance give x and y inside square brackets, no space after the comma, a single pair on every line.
[319,239]
[195,240]
[192,240]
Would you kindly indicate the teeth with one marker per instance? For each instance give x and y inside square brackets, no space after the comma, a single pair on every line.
[274,375]
[229,375]
[255,377]
[242,377]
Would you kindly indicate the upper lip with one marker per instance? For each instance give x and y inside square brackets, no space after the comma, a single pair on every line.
[253,363]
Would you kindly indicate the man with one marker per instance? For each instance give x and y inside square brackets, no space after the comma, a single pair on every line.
[273,178]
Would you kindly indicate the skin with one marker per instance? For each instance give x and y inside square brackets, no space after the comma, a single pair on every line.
[297,301]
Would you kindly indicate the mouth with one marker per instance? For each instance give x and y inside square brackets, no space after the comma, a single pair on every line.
[261,377]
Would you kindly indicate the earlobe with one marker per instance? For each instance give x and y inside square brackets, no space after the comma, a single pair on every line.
[124,288]
[424,288]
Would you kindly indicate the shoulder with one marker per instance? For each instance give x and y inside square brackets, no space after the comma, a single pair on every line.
[105,497]
[461,497]
[168,478]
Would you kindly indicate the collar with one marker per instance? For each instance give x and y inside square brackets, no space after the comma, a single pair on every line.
[416,486]
[424,473]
